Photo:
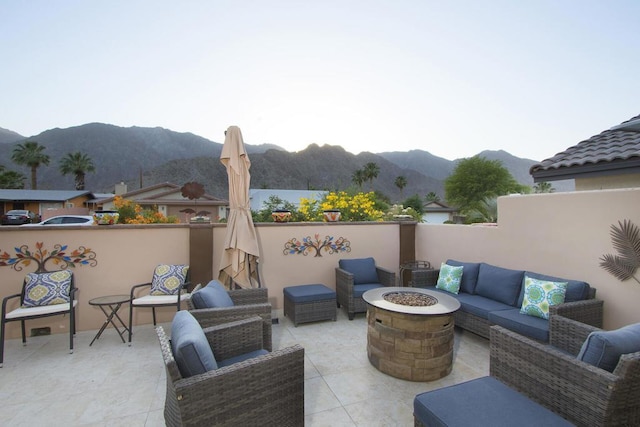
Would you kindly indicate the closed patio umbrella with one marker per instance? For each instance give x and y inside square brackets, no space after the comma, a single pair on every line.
[240,258]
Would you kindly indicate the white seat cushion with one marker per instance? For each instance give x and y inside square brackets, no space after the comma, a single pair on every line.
[24,312]
[159,299]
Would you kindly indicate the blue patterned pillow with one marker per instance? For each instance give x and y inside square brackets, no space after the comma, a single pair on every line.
[449,278]
[539,295]
[47,288]
[168,279]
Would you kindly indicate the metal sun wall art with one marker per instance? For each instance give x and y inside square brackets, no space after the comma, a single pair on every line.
[58,256]
[308,245]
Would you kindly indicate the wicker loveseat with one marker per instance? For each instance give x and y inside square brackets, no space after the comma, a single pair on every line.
[556,376]
[491,295]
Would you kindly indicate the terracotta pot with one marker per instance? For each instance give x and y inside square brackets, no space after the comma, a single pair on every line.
[106,217]
[331,215]
[281,216]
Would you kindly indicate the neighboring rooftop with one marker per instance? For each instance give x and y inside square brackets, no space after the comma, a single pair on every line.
[42,195]
[614,151]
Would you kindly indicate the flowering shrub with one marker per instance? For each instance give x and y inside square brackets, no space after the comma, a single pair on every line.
[398,210]
[357,207]
[132,213]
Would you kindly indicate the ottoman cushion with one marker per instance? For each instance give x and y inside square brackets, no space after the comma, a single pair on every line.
[482,402]
[308,293]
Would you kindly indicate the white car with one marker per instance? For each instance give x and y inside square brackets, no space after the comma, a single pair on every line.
[84,220]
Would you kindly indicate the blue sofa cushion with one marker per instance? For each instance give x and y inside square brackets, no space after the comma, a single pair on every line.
[577,290]
[529,326]
[242,357]
[308,293]
[358,290]
[214,295]
[190,346]
[363,270]
[604,348]
[469,274]
[483,402]
[478,305]
[500,284]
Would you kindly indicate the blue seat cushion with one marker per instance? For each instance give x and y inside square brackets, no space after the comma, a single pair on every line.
[469,274]
[604,348]
[479,305]
[308,293]
[358,290]
[577,290]
[190,347]
[363,270]
[500,284]
[214,295]
[242,357]
[482,402]
[529,326]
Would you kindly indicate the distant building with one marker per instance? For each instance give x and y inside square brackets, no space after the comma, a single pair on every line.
[48,203]
[608,160]
[259,197]
[438,213]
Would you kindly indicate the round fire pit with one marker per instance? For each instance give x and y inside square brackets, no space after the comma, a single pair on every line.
[410,332]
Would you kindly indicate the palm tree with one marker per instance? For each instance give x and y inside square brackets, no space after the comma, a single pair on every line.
[401,182]
[543,187]
[78,164]
[432,197]
[371,171]
[11,179]
[358,178]
[30,154]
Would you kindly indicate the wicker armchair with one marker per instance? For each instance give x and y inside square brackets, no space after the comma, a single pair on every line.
[349,288]
[551,375]
[264,390]
[247,303]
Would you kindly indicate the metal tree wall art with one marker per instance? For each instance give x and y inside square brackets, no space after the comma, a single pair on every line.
[58,256]
[626,240]
[316,246]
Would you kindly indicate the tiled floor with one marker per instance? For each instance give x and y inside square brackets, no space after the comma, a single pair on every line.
[111,384]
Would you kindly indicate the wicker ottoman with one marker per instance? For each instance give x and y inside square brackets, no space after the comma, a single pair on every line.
[309,303]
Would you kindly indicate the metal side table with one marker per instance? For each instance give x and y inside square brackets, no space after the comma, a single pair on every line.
[113,302]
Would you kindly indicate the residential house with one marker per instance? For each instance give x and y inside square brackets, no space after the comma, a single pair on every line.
[608,160]
[436,212]
[48,203]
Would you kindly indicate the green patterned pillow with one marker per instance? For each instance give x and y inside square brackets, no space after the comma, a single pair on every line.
[168,279]
[539,295]
[47,288]
[449,278]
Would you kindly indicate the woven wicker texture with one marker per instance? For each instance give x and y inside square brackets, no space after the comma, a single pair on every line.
[344,289]
[266,390]
[248,303]
[551,375]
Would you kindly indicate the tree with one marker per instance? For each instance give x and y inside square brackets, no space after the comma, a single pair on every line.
[358,178]
[371,171]
[543,187]
[487,211]
[432,197]
[414,202]
[401,182]
[476,179]
[77,164]
[30,153]
[11,179]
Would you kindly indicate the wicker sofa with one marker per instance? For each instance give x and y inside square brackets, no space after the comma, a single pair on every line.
[491,295]
[557,374]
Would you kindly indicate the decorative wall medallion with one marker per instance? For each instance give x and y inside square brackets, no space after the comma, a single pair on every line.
[58,256]
[309,245]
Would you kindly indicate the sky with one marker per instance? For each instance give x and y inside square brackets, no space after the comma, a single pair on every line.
[454,78]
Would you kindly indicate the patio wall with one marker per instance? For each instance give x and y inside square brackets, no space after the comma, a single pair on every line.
[561,234]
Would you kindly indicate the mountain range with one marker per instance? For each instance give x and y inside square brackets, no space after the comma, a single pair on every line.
[142,156]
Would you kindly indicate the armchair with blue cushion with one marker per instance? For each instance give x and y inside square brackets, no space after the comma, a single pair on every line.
[213,305]
[356,276]
[223,375]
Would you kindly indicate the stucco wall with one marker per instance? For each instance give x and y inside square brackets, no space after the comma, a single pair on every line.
[561,234]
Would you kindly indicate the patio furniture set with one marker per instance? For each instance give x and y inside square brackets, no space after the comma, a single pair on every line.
[222,346]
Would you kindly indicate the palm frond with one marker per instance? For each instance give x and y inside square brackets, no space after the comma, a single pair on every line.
[626,241]
[617,267]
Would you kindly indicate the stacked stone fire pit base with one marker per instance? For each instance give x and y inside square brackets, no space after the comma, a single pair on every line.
[410,346]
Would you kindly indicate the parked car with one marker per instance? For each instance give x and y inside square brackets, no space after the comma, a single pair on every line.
[65,220]
[19,217]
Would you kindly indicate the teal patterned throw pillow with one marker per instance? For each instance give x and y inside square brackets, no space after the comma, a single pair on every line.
[168,279]
[449,278]
[47,288]
[539,295]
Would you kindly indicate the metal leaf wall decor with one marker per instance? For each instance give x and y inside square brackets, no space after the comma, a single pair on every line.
[316,246]
[60,257]
[626,241]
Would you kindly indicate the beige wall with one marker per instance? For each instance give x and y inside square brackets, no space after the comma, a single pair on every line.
[630,180]
[561,234]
